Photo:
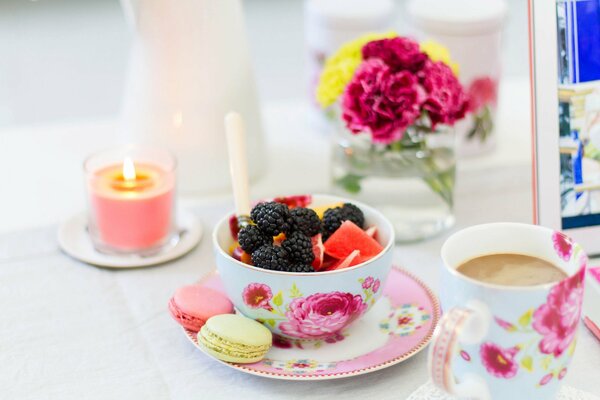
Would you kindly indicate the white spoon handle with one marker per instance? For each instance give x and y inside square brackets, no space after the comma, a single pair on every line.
[238,162]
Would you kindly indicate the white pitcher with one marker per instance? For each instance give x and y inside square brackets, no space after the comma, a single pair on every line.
[189,66]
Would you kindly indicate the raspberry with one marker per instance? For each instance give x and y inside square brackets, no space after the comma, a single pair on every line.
[306,221]
[270,257]
[251,238]
[299,247]
[272,218]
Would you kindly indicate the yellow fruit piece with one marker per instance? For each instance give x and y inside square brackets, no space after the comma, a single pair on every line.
[246,258]
[234,246]
[320,210]
[279,238]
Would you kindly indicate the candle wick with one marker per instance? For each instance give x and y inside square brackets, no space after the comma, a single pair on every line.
[129,169]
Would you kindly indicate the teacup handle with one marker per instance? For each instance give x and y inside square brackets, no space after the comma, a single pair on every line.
[458,325]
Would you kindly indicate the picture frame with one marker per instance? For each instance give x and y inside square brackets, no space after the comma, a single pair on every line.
[564,43]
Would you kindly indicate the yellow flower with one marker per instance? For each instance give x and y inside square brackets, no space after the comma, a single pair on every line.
[437,52]
[340,67]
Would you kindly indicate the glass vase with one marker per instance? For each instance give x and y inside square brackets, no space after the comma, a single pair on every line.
[411,180]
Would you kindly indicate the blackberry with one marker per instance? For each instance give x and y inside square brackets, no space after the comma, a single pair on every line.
[271,257]
[251,238]
[299,247]
[299,267]
[272,218]
[333,218]
[354,214]
[305,220]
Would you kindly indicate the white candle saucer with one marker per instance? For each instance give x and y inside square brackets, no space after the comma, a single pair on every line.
[75,241]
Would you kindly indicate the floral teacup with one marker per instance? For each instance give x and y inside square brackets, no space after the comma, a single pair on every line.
[307,306]
[507,342]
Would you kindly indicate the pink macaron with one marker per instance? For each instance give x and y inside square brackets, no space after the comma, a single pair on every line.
[192,305]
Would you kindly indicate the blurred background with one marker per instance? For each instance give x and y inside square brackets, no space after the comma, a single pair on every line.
[65,60]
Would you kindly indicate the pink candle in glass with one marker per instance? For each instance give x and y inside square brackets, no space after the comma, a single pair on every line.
[131,205]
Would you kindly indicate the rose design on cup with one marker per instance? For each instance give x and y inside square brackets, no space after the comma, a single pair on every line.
[562,245]
[321,314]
[257,295]
[317,316]
[498,361]
[557,319]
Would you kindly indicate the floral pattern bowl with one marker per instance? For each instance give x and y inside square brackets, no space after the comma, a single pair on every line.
[307,306]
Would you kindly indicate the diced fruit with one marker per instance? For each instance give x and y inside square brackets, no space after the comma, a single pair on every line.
[237,253]
[246,258]
[349,237]
[278,239]
[352,259]
[234,228]
[372,231]
[319,251]
[301,200]
[328,262]
[320,210]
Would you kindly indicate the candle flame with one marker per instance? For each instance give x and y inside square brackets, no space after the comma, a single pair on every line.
[128,169]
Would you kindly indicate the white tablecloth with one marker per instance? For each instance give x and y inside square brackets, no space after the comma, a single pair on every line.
[71,331]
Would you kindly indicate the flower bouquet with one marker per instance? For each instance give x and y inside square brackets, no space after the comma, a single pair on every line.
[394,101]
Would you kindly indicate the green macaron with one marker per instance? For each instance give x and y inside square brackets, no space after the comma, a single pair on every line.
[235,338]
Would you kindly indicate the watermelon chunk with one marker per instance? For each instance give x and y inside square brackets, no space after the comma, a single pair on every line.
[349,237]
[319,251]
[300,200]
[371,231]
[353,258]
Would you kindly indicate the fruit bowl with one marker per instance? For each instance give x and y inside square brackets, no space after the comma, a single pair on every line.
[301,305]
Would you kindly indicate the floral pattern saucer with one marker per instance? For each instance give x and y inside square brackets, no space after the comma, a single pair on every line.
[398,326]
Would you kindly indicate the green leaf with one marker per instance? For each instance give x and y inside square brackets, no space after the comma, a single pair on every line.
[546,361]
[271,322]
[294,292]
[527,363]
[350,182]
[571,348]
[525,319]
[278,299]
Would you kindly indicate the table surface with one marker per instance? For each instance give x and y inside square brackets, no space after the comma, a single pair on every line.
[70,330]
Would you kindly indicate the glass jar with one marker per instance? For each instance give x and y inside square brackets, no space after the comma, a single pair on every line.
[411,181]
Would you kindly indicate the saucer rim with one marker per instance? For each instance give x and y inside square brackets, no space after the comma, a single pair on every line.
[436,314]
[185,245]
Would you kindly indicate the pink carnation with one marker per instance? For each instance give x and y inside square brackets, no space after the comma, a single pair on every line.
[558,318]
[446,100]
[321,315]
[398,53]
[381,101]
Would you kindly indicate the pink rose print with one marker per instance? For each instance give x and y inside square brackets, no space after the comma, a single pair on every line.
[404,321]
[557,319]
[499,361]
[376,286]
[321,315]
[257,295]
[547,378]
[281,342]
[481,92]
[562,245]
[562,373]
[465,356]
[368,282]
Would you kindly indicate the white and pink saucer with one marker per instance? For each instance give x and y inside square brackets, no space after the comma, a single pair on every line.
[398,326]
[74,240]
